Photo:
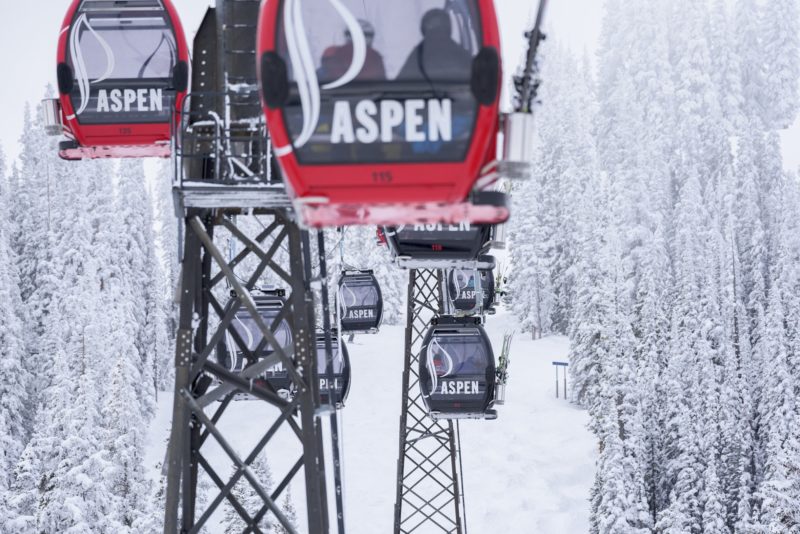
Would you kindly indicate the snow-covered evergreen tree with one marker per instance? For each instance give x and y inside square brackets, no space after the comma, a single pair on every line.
[544,242]
[35,216]
[689,218]
[533,298]
[780,30]
[289,512]
[14,376]
[139,267]
[66,458]
[250,500]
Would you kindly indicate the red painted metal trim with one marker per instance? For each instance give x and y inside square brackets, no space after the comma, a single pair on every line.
[386,214]
[161,150]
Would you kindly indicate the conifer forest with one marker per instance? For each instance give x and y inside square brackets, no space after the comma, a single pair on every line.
[657,239]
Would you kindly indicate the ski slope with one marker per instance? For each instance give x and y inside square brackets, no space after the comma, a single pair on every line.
[530,471]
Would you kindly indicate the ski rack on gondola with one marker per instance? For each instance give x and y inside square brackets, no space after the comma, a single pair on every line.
[518,127]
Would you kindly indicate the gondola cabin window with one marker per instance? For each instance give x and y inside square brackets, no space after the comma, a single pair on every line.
[465,294]
[248,331]
[123,69]
[378,81]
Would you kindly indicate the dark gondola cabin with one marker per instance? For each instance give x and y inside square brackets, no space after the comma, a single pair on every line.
[457,370]
[246,344]
[465,294]
[123,70]
[439,245]
[383,112]
[339,381]
[360,302]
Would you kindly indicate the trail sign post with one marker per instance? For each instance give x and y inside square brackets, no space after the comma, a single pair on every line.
[563,365]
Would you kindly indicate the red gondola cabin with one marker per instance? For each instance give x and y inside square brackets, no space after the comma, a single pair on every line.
[123,70]
[383,112]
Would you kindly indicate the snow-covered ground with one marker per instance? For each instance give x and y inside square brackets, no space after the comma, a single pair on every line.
[528,471]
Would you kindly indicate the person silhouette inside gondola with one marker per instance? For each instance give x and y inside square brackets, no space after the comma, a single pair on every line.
[439,360]
[470,363]
[437,56]
[336,60]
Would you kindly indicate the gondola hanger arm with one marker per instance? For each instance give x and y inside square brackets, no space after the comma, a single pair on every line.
[527,82]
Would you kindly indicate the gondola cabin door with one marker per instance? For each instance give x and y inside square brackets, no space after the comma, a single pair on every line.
[123,70]
[383,112]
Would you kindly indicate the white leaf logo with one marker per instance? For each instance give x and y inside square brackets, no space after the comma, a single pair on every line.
[305,70]
[76,54]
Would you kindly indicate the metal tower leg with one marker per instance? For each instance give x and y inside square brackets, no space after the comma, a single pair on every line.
[429,498]
[204,389]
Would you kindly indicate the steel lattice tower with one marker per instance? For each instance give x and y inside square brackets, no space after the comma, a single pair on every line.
[429,493]
[205,390]
[224,169]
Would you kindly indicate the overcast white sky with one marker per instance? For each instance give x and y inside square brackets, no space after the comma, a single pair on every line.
[29,37]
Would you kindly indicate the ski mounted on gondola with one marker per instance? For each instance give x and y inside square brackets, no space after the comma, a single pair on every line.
[527,81]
